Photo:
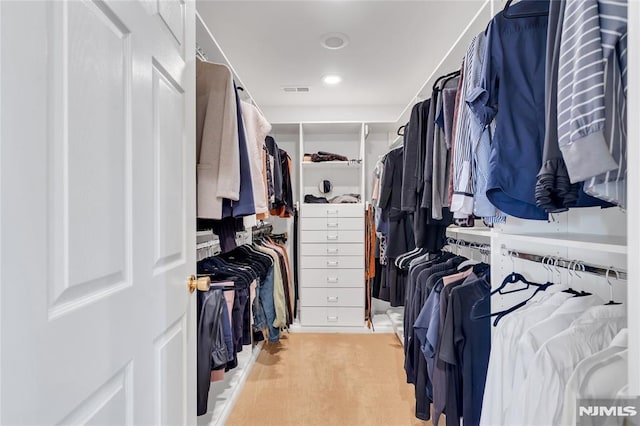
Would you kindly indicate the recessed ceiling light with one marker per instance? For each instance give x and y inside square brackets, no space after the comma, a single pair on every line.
[334,41]
[331,79]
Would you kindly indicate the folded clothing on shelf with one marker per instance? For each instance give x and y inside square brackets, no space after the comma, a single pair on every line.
[345,199]
[339,199]
[311,199]
[321,156]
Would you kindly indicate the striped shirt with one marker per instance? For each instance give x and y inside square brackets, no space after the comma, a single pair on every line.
[462,200]
[592,95]
[472,147]
[612,185]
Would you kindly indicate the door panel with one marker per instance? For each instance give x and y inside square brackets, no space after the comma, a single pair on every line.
[171,393]
[111,404]
[97,212]
[169,144]
[172,14]
[89,159]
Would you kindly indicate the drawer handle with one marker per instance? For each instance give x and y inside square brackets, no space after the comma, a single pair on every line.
[332,263]
[332,299]
[332,250]
[332,237]
[332,279]
[332,225]
[332,319]
[332,211]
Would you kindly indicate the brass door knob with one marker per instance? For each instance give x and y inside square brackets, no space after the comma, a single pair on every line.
[201,284]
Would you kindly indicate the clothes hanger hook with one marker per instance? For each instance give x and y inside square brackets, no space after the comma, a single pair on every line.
[576,266]
[544,262]
[550,261]
[556,262]
[472,247]
[570,268]
[514,254]
[610,269]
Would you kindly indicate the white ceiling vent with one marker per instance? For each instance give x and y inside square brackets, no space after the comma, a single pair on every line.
[295,89]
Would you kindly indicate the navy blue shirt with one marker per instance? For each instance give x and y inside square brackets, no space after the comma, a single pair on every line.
[466,344]
[513,83]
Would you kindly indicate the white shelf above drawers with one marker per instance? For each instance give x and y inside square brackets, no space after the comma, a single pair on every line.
[340,297]
[332,210]
[332,262]
[318,249]
[332,278]
[342,236]
[332,316]
[332,223]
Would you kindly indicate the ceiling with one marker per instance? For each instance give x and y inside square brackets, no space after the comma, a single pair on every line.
[393,48]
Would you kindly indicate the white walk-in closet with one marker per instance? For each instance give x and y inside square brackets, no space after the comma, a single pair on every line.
[320,212]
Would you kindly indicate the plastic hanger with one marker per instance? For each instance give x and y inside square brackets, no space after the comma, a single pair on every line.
[512,278]
[533,14]
[443,77]
[611,302]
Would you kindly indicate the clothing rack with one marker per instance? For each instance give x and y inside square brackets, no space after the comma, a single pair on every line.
[484,249]
[469,244]
[261,231]
[572,265]
[208,243]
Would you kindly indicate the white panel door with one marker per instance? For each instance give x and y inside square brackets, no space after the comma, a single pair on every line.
[97,217]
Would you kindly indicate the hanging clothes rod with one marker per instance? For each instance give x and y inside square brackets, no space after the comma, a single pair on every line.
[201,53]
[468,244]
[484,249]
[579,266]
[262,230]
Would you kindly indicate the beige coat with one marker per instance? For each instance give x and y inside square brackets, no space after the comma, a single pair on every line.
[217,143]
[257,128]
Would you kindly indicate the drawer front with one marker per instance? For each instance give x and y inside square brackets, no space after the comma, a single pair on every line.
[350,297]
[330,316]
[349,249]
[332,210]
[332,262]
[332,277]
[331,223]
[335,236]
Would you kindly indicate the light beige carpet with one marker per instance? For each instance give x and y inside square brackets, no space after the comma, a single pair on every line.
[328,379]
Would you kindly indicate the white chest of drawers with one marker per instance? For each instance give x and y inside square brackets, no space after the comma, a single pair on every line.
[332,265]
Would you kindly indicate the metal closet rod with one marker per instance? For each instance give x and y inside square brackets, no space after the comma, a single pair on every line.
[469,244]
[580,266]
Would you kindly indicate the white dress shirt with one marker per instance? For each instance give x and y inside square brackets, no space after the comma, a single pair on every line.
[499,383]
[605,380]
[536,336]
[541,397]
[620,421]
[575,388]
